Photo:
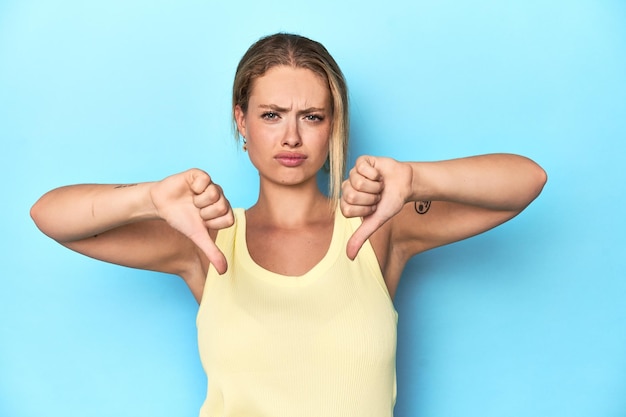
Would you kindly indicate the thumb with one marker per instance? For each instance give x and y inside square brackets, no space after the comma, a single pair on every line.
[367,228]
[203,240]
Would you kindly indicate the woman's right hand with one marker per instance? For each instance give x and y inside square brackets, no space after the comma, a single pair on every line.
[193,204]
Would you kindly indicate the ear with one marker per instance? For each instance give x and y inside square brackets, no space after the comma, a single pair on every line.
[240,119]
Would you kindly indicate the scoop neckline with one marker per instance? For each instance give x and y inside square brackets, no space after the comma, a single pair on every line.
[279,279]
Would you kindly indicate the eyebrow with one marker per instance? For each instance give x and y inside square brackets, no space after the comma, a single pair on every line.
[279,109]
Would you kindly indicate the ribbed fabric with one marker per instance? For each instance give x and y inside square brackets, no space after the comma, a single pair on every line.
[318,345]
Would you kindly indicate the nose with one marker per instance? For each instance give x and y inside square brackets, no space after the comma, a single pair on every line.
[292,138]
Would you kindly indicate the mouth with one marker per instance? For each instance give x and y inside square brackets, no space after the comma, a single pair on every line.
[290,159]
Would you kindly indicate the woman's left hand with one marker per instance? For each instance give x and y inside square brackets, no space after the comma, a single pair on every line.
[376,189]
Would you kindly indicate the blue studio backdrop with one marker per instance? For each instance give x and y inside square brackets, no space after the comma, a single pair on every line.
[526,320]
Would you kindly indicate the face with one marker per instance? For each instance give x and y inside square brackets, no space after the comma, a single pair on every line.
[287,125]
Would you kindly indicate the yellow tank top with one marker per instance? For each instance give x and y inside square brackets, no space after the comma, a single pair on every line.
[318,345]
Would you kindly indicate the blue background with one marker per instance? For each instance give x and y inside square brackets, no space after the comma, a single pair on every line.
[526,320]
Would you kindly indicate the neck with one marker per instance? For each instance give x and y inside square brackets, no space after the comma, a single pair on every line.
[291,206]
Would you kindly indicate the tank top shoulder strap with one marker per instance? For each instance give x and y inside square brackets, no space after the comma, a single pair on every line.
[225,242]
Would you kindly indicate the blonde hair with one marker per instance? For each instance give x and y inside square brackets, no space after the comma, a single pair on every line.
[300,52]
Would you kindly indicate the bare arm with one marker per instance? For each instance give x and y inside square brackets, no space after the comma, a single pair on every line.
[76,212]
[468,196]
[459,198]
[161,226]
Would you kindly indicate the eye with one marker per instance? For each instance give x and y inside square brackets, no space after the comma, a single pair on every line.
[314,117]
[270,115]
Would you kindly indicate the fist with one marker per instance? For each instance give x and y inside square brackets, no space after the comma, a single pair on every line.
[192,203]
[376,189]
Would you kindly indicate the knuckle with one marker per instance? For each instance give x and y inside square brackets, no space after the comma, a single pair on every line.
[349,196]
[345,186]
[344,207]
[218,223]
[199,178]
[206,213]
[199,173]
[364,161]
[213,193]
[348,210]
[359,183]
[221,209]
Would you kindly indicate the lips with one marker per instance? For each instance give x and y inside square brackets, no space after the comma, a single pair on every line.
[290,159]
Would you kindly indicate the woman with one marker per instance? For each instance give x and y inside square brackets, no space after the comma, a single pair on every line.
[295,316]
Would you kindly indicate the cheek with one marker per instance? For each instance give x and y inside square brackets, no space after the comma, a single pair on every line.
[323,146]
[319,133]
[251,128]
[326,139]
[263,133]
[253,156]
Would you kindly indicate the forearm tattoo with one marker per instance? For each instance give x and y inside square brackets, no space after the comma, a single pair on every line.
[124,185]
[422,207]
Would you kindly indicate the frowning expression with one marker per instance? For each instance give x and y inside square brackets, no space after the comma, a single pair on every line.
[287,124]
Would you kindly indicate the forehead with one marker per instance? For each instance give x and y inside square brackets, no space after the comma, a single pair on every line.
[284,85]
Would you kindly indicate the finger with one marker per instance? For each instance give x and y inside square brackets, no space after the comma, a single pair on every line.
[361,234]
[366,166]
[202,239]
[353,197]
[200,180]
[362,183]
[355,210]
[213,212]
[221,222]
[215,209]
[361,191]
[210,195]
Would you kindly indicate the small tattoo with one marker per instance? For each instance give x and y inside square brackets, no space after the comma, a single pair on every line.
[125,185]
[422,207]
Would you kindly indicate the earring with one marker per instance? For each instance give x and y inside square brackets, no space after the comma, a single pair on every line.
[245,145]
